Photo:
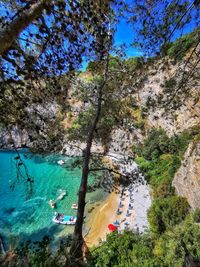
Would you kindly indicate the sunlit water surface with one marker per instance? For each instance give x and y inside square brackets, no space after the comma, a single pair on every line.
[24,217]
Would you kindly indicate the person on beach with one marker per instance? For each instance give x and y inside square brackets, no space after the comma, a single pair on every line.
[118,211]
[120,204]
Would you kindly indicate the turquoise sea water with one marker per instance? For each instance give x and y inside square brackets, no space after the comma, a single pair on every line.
[31,218]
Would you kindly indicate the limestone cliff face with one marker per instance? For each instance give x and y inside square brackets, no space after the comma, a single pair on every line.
[187,178]
[177,120]
[19,136]
[28,136]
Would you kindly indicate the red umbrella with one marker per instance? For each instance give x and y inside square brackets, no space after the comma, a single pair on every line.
[112,227]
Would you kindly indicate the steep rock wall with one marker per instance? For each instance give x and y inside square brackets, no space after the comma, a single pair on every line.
[174,121]
[20,138]
[187,178]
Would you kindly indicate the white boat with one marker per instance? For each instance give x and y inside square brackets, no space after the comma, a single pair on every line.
[62,194]
[52,203]
[64,219]
[61,162]
[75,206]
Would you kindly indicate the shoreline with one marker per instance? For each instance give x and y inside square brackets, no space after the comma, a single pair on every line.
[101,215]
[135,202]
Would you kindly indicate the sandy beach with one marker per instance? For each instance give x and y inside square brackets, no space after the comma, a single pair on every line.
[132,206]
[99,219]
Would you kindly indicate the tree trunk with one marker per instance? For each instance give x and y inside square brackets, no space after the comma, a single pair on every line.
[78,241]
[13,30]
[76,250]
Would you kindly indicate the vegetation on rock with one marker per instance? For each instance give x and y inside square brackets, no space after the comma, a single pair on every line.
[159,157]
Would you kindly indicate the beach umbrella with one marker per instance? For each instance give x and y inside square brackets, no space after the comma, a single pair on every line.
[116,223]
[112,227]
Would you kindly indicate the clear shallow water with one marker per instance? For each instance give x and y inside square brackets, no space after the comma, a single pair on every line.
[32,218]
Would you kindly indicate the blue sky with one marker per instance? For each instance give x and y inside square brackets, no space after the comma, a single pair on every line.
[125,34]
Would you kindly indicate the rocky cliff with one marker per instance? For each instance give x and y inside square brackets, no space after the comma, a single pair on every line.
[159,84]
[187,178]
[20,138]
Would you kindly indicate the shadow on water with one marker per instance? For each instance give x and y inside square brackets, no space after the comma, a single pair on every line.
[12,241]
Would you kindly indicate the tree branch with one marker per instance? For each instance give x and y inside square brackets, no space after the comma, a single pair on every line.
[13,30]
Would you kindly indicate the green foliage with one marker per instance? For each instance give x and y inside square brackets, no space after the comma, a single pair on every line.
[159,22]
[111,115]
[134,63]
[170,84]
[112,108]
[140,125]
[124,250]
[97,66]
[159,173]
[108,120]
[191,239]
[165,213]
[158,143]
[160,157]
[37,252]
[196,216]
[144,112]
[114,62]
[81,125]
[180,245]
[178,49]
[91,66]
[173,248]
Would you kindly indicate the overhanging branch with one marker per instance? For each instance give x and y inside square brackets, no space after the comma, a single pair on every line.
[13,30]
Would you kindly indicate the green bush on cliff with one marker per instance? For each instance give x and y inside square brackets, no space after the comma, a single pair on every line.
[196,216]
[124,250]
[159,157]
[178,49]
[134,63]
[81,125]
[180,245]
[165,213]
[158,143]
[159,173]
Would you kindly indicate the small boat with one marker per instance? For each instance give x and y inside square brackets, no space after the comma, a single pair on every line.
[61,162]
[64,219]
[75,206]
[52,203]
[62,194]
